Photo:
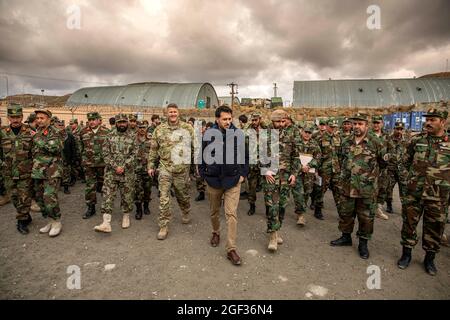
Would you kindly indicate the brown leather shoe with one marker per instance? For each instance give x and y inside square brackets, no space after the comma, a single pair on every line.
[234,258]
[215,240]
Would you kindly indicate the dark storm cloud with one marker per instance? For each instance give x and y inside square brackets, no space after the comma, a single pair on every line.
[253,42]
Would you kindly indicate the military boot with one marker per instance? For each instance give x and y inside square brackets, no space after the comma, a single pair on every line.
[363,249]
[162,234]
[428,263]
[200,197]
[318,213]
[279,239]
[389,206]
[126,220]
[273,243]
[90,211]
[146,208]
[22,226]
[66,190]
[405,259]
[186,218]
[55,229]
[5,199]
[35,207]
[106,224]
[267,211]
[252,209]
[380,214]
[46,229]
[138,214]
[301,221]
[343,241]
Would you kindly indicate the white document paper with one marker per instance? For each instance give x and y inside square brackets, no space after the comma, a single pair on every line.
[306,159]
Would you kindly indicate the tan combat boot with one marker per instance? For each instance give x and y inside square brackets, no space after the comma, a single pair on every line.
[35,207]
[279,239]
[186,219]
[273,245]
[301,220]
[46,229]
[162,234]
[55,229]
[106,224]
[380,214]
[444,240]
[5,199]
[126,221]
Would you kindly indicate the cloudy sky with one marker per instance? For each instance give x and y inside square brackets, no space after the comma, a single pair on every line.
[252,42]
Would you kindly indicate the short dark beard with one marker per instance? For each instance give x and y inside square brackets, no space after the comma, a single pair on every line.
[122,129]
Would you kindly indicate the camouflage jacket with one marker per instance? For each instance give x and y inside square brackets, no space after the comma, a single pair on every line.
[428,162]
[91,146]
[17,160]
[143,150]
[167,140]
[361,165]
[119,150]
[252,143]
[312,149]
[396,149]
[47,153]
[151,128]
[329,145]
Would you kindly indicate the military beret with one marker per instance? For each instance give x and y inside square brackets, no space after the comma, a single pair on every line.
[45,111]
[15,109]
[93,116]
[434,112]
[399,125]
[278,115]
[360,116]
[377,118]
[121,117]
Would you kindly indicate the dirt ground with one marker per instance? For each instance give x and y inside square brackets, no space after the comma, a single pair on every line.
[185,266]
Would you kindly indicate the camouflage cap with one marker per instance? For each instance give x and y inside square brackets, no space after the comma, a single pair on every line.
[435,112]
[256,115]
[346,119]
[132,117]
[15,110]
[309,129]
[323,121]
[121,117]
[377,118]
[54,119]
[141,124]
[360,116]
[93,116]
[333,123]
[399,125]
[45,111]
[278,115]
[73,121]
[31,118]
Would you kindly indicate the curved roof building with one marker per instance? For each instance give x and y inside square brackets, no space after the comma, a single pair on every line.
[149,94]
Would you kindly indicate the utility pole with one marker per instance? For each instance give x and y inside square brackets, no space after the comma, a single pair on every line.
[233,92]
[275,90]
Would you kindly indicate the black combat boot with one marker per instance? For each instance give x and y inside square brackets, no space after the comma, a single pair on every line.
[405,259]
[318,213]
[146,208]
[343,241]
[66,189]
[267,211]
[428,262]
[22,226]
[252,209]
[389,206]
[89,212]
[29,219]
[363,249]
[138,215]
[200,197]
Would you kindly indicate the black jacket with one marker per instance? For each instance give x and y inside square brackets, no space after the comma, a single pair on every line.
[225,175]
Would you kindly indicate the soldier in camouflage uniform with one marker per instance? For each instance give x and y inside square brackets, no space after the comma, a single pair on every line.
[428,190]
[308,147]
[254,176]
[396,169]
[143,185]
[277,184]
[156,121]
[167,138]
[47,170]
[77,168]
[4,197]
[377,131]
[346,129]
[361,157]
[200,183]
[132,124]
[16,164]
[119,153]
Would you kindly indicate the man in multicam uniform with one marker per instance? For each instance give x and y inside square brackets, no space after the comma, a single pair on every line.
[361,157]
[16,164]
[119,153]
[428,190]
[143,185]
[92,139]
[47,170]
[166,142]
[200,183]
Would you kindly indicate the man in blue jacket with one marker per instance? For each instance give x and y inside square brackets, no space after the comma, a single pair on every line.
[224,166]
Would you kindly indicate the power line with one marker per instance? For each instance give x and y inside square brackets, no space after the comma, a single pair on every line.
[53,79]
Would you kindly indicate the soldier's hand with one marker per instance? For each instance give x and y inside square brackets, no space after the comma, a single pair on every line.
[269,177]
[306,169]
[151,172]
[241,179]
[292,180]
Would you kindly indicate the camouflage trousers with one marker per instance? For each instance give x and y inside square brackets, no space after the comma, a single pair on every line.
[66,174]
[393,177]
[2,185]
[125,185]
[382,186]
[180,184]
[200,183]
[298,195]
[364,209]
[329,181]
[47,197]
[21,192]
[434,218]
[94,183]
[143,187]
[254,180]
[276,197]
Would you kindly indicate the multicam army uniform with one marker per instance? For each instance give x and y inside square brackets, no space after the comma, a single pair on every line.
[16,165]
[297,189]
[360,165]
[92,159]
[143,185]
[428,190]
[119,150]
[47,170]
[383,175]
[396,168]
[165,138]
[276,194]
